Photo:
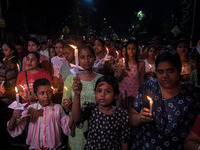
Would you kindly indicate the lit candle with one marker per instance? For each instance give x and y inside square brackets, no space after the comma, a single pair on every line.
[2,82]
[23,89]
[62,36]
[18,68]
[106,57]
[17,96]
[150,66]
[150,103]
[75,54]
[123,61]
[53,89]
[117,54]
[66,91]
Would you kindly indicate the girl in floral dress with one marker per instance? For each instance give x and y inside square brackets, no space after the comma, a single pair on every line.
[131,73]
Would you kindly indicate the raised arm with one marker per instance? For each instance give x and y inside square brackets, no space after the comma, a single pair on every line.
[76,106]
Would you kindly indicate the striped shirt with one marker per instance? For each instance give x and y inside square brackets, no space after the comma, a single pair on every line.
[46,131]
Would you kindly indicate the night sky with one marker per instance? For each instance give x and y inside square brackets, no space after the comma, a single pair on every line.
[39,16]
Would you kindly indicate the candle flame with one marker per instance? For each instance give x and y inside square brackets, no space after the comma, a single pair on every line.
[73,46]
[16,90]
[150,65]
[107,50]
[66,88]
[149,98]
[117,53]
[21,86]
[52,88]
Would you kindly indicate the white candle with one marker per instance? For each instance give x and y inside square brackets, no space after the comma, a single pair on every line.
[150,66]
[123,61]
[106,57]
[1,84]
[66,91]
[62,36]
[150,103]
[23,89]
[17,96]
[18,68]
[117,54]
[75,54]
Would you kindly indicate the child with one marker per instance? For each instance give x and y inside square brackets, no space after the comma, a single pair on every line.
[108,125]
[46,119]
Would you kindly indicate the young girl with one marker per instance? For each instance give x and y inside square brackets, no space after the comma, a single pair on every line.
[150,69]
[132,73]
[46,119]
[188,65]
[11,56]
[27,78]
[102,65]
[108,125]
[57,61]
[88,79]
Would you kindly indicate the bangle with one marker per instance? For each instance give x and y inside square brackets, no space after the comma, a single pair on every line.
[139,117]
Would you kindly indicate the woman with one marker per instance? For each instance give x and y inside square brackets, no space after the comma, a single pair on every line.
[11,56]
[27,78]
[88,79]
[150,69]
[188,65]
[104,64]
[34,46]
[131,73]
[174,110]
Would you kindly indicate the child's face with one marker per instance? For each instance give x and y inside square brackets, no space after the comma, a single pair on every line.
[59,48]
[86,59]
[69,54]
[52,52]
[98,47]
[152,52]
[131,50]
[182,49]
[104,94]
[44,95]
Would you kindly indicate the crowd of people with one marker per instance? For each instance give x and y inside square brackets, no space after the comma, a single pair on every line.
[109,95]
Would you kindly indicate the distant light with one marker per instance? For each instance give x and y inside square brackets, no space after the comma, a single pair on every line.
[133,26]
[109,26]
[104,18]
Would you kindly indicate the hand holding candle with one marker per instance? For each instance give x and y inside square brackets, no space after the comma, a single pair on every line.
[150,104]
[23,90]
[17,96]
[75,54]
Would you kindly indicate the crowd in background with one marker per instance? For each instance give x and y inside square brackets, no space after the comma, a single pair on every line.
[169,74]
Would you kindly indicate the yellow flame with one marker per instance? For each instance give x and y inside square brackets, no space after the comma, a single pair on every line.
[16,90]
[73,46]
[150,65]
[66,88]
[149,98]
[52,88]
[107,50]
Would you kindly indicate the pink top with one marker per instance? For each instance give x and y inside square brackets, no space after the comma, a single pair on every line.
[46,131]
[57,63]
[131,83]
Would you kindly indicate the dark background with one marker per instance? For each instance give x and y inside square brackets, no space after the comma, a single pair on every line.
[101,17]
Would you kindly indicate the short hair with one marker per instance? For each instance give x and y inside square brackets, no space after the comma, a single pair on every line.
[34,40]
[101,41]
[40,82]
[170,56]
[182,40]
[60,41]
[89,48]
[36,54]
[110,80]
